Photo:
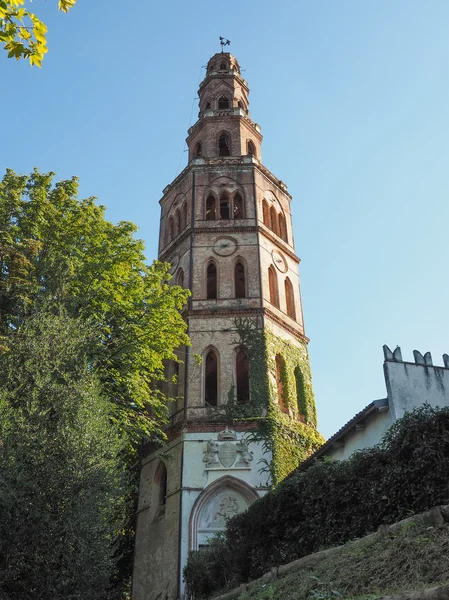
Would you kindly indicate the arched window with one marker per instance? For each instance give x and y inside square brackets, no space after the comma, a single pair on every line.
[266,214]
[280,372]
[289,298]
[251,148]
[238,207]
[273,284]
[242,376]
[212,67]
[239,280]
[240,104]
[160,480]
[207,107]
[198,151]
[211,211]
[273,220]
[300,394]
[223,103]
[224,207]
[211,379]
[223,145]
[171,229]
[282,227]
[178,221]
[180,278]
[184,215]
[211,281]
[223,67]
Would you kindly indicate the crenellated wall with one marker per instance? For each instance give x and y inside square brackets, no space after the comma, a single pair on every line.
[410,385]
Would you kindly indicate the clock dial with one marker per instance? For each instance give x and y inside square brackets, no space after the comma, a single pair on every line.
[279,261]
[225,246]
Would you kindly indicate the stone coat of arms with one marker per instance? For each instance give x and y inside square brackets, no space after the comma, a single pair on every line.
[227,451]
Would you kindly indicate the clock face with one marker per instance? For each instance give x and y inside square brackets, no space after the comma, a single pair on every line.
[224,246]
[279,261]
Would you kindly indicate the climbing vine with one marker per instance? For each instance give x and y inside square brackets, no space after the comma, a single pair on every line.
[292,437]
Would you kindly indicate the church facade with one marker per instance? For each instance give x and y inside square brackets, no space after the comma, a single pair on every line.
[226,230]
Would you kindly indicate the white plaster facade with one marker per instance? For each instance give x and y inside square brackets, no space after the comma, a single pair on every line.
[409,385]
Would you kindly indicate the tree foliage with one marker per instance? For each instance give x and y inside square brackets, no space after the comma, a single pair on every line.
[57,250]
[23,34]
[63,484]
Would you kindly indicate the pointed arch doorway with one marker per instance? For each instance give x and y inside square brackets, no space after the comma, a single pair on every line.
[221,500]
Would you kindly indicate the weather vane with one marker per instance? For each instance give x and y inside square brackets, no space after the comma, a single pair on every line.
[224,42]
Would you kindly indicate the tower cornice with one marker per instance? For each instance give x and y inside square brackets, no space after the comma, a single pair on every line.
[228,114]
[228,161]
[165,253]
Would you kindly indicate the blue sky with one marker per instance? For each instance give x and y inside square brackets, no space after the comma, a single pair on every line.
[353,101]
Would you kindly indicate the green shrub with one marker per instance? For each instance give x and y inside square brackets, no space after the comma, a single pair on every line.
[208,569]
[336,501]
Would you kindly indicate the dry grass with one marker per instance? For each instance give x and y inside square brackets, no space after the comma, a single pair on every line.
[413,558]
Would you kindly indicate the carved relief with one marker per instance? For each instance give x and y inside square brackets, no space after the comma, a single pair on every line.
[245,455]
[222,507]
[211,454]
[227,452]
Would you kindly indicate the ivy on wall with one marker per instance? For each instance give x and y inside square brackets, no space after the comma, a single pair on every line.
[291,437]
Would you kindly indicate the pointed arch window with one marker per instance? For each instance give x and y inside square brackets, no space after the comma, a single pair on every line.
[223,103]
[223,145]
[180,278]
[289,298]
[207,107]
[223,67]
[273,220]
[280,372]
[238,207]
[211,379]
[251,149]
[211,293]
[242,376]
[282,227]
[160,481]
[184,215]
[239,280]
[300,394]
[171,229]
[211,209]
[224,207]
[273,285]
[266,213]
[178,221]
[198,150]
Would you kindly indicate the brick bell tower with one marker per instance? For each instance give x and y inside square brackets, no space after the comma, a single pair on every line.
[226,230]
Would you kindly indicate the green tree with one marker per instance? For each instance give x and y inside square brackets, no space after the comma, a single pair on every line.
[63,484]
[23,34]
[58,250]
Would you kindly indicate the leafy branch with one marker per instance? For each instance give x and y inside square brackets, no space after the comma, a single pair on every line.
[22,33]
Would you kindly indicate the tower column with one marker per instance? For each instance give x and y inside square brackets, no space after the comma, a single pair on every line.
[226,231]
